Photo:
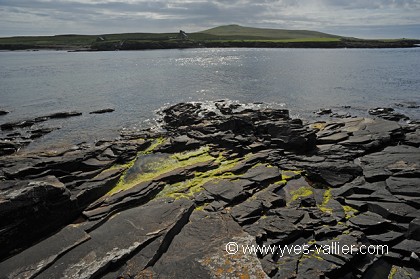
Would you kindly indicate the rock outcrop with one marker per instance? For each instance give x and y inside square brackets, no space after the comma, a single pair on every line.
[101,111]
[21,133]
[4,112]
[219,179]
[388,114]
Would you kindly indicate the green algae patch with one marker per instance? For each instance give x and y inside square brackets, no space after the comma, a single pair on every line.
[224,168]
[311,242]
[349,211]
[281,183]
[125,166]
[191,187]
[201,207]
[312,255]
[156,143]
[184,189]
[294,189]
[392,272]
[346,232]
[148,166]
[261,164]
[318,125]
[290,174]
[190,154]
[326,199]
[302,192]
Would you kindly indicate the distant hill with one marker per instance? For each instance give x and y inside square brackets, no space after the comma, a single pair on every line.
[222,36]
[264,33]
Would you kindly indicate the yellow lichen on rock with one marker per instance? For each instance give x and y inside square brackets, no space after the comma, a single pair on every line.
[349,211]
[326,199]
[302,192]
[190,187]
[159,166]
[290,174]
[392,272]
[318,125]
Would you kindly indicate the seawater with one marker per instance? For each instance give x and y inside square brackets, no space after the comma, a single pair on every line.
[137,83]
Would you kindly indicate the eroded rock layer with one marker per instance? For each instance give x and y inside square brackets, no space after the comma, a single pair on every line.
[166,204]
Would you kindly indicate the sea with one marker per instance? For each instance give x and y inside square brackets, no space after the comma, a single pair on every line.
[137,84]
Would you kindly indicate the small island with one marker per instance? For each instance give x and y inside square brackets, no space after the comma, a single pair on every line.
[227,36]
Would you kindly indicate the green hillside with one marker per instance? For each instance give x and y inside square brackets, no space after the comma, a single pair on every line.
[222,36]
[264,33]
[82,40]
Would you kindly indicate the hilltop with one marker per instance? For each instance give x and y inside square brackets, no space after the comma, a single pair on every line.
[235,31]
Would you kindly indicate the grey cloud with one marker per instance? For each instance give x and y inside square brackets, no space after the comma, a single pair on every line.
[78,16]
[373,4]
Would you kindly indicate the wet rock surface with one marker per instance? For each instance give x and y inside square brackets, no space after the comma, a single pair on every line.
[16,135]
[166,204]
[4,112]
[31,122]
[388,114]
[101,111]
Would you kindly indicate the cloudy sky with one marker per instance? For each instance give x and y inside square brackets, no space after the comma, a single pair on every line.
[359,18]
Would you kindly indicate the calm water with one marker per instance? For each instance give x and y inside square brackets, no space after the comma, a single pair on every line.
[139,82]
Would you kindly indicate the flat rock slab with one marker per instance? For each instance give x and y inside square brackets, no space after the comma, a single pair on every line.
[211,260]
[414,229]
[401,160]
[251,209]
[334,138]
[385,238]
[407,186]
[121,236]
[393,211]
[368,219]
[262,173]
[408,246]
[37,258]
[228,190]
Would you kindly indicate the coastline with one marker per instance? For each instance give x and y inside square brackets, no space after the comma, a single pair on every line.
[184,44]
[143,204]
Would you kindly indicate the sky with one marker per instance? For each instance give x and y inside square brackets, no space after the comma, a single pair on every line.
[355,18]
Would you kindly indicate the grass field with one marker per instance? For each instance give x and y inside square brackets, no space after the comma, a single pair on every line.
[285,40]
[265,33]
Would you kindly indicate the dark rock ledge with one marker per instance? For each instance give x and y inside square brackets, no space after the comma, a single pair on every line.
[164,205]
[102,111]
[23,132]
[3,111]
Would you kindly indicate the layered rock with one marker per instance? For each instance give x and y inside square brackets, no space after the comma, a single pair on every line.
[388,114]
[3,111]
[21,133]
[101,111]
[169,204]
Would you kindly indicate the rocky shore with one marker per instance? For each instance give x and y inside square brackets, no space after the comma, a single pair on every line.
[183,44]
[164,204]
[344,43]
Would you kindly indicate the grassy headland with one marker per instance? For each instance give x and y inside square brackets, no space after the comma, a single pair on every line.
[222,36]
[237,31]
